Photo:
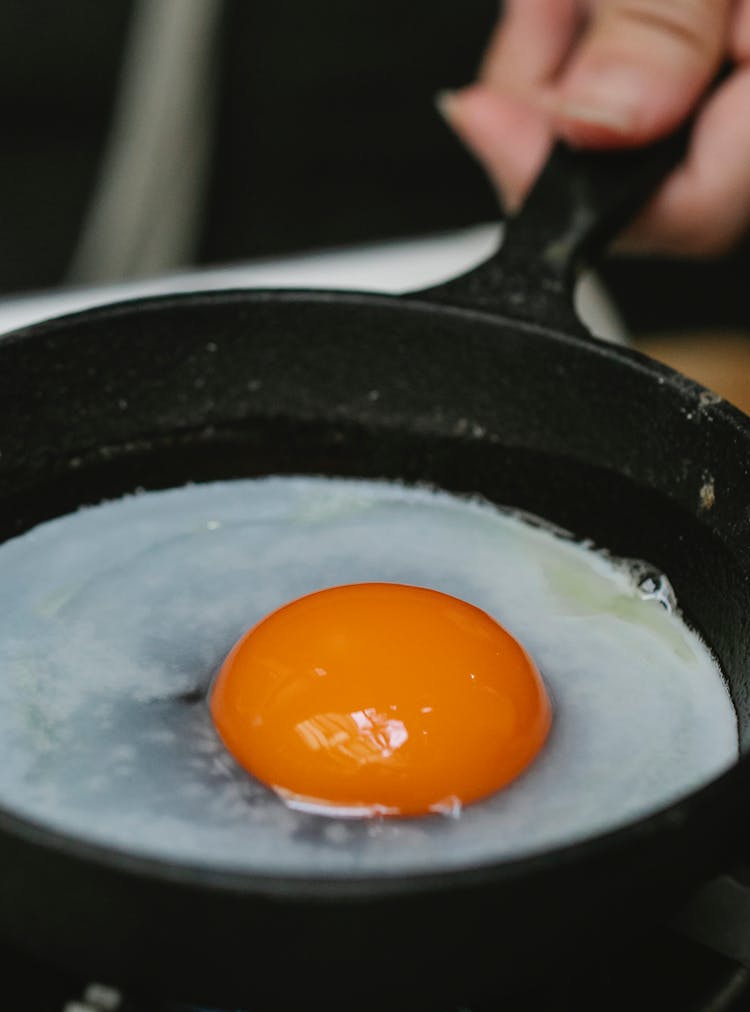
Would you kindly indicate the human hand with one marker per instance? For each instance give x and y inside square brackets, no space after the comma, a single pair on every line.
[620,73]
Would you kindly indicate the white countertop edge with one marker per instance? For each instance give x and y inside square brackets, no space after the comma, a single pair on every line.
[395,266]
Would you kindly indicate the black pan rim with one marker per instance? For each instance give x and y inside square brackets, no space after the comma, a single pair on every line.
[354,887]
[417,302]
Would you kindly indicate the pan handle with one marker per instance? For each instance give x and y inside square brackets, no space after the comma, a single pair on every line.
[580,201]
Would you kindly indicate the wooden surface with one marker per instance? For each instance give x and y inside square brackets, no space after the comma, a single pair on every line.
[720,361]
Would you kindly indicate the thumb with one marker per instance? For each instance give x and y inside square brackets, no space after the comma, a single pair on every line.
[508,135]
[639,69]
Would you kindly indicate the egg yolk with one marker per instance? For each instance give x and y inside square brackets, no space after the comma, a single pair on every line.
[380,699]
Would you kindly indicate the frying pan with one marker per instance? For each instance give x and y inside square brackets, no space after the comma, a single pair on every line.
[487,384]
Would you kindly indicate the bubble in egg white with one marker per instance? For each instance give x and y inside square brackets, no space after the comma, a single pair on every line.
[114,619]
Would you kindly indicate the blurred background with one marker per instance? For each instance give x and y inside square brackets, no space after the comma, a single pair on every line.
[146,136]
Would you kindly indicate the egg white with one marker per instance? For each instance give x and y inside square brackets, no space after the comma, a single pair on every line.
[114,619]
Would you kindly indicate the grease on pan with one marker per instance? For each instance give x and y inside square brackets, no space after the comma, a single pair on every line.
[113,621]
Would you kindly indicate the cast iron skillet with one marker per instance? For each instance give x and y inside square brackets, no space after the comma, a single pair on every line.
[488,384]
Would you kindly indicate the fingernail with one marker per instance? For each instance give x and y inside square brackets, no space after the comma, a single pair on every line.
[445,103]
[596,116]
[610,97]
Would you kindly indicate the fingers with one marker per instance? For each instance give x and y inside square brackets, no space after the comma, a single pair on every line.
[509,136]
[530,43]
[639,69]
[631,73]
[500,119]
[739,40]
[704,208]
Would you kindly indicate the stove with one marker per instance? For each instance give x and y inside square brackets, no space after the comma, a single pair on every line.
[698,963]
[669,973]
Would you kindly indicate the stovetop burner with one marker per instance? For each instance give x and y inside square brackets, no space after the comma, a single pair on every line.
[663,971]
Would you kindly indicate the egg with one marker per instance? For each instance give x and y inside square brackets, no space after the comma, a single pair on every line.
[119,622]
[381,699]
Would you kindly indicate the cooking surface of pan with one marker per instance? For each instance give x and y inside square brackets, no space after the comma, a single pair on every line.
[599,441]
[113,621]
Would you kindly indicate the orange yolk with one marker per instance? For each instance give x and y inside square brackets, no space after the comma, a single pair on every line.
[379,698]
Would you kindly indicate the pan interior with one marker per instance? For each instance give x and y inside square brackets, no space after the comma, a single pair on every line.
[114,619]
[223,388]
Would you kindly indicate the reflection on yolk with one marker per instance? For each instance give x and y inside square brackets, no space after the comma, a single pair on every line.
[379,698]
